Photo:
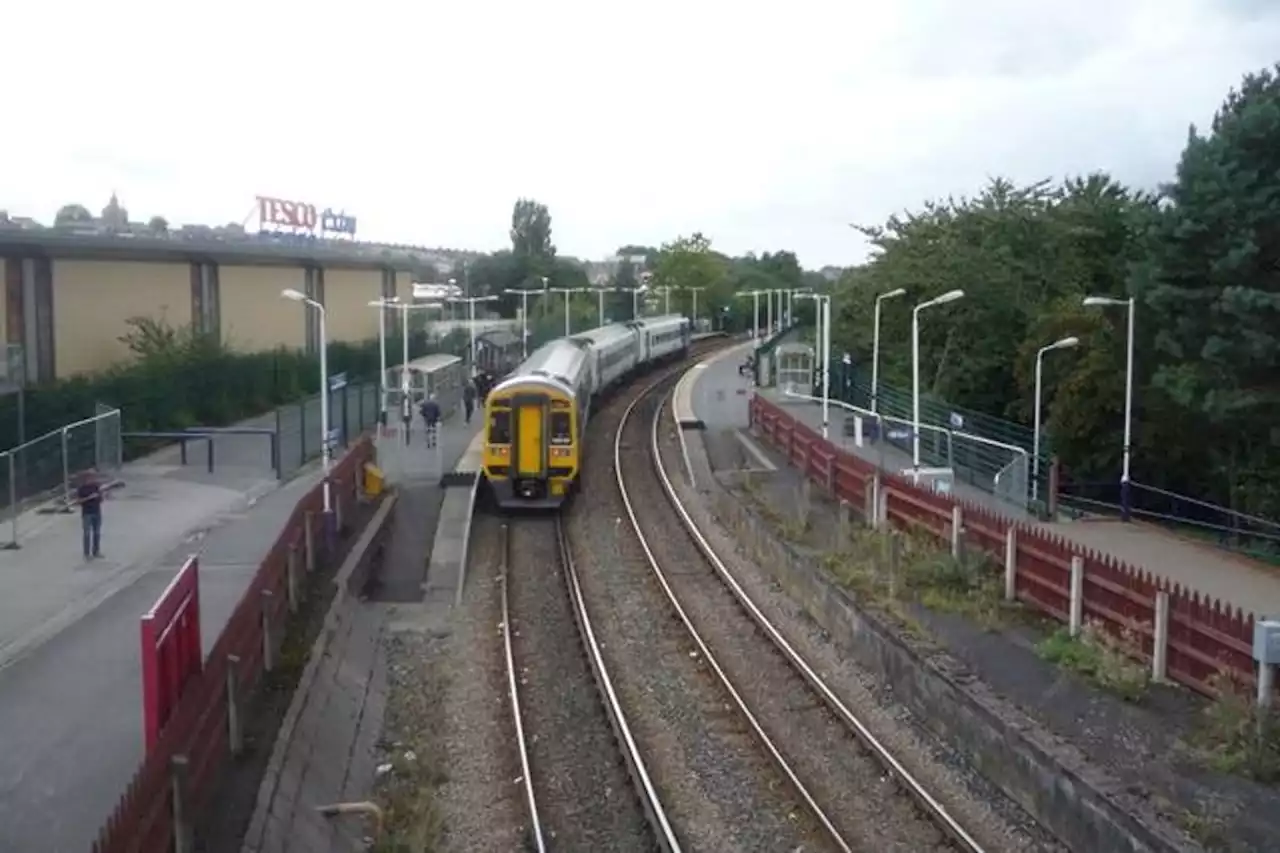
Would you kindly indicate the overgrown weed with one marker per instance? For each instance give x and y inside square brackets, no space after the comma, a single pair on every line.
[1100,657]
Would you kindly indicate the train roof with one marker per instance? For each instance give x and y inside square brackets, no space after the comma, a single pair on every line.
[432,362]
[560,362]
[605,335]
[662,320]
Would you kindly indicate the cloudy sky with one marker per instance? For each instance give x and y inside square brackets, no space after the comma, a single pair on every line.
[764,125]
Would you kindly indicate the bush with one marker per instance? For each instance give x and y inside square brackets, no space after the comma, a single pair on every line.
[180,379]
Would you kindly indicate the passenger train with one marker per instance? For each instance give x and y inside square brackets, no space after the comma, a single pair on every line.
[535,418]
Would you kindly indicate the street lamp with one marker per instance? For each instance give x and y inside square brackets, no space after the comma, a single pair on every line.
[524,318]
[875,348]
[1125,497]
[755,323]
[325,455]
[822,302]
[382,305]
[471,303]
[566,291]
[1065,343]
[949,296]
[694,291]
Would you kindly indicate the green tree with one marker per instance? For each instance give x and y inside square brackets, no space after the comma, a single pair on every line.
[686,264]
[1211,286]
[531,233]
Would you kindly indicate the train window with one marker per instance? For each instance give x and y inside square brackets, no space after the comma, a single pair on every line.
[561,431]
[500,427]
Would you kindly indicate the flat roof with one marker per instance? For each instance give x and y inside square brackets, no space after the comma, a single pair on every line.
[251,249]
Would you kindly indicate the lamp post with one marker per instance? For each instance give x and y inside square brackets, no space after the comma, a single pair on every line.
[1125,496]
[949,296]
[822,304]
[755,323]
[1064,343]
[325,447]
[382,305]
[471,314]
[524,319]
[694,291]
[566,291]
[875,348]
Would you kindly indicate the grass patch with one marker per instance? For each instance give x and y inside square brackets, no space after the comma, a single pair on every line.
[412,819]
[1099,657]
[1237,737]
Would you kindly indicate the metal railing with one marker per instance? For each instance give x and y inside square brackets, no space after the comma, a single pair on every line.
[41,473]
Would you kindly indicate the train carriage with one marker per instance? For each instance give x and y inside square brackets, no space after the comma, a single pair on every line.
[534,420]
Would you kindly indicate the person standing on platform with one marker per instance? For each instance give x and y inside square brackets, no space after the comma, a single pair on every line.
[431,416]
[468,401]
[89,496]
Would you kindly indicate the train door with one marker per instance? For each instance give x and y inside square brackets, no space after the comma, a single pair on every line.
[529,446]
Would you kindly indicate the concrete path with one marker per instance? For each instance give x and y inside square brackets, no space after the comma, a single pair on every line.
[70,686]
[1229,578]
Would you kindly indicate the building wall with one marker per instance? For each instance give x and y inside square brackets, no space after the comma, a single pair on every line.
[254,315]
[93,299]
[347,294]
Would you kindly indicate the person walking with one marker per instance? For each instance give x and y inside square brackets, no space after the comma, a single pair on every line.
[468,401]
[431,416]
[89,496]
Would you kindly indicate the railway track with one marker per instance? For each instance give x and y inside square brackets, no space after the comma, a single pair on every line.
[584,783]
[855,790]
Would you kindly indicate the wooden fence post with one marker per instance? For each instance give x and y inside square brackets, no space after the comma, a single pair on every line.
[268,646]
[180,778]
[1160,642]
[1011,563]
[235,734]
[1077,595]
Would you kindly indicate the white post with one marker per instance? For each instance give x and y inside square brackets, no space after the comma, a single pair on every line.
[1266,687]
[957,527]
[666,299]
[325,453]
[404,372]
[382,356]
[471,351]
[1160,643]
[755,324]
[1035,431]
[768,304]
[875,348]
[600,307]
[1077,595]
[524,324]
[1128,421]
[566,313]
[1011,563]
[824,306]
[915,392]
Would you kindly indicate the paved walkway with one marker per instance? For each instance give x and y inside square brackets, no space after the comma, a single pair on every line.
[1219,574]
[70,687]
[329,757]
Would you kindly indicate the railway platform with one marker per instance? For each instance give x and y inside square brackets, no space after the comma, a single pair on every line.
[70,681]
[692,398]
[1229,578]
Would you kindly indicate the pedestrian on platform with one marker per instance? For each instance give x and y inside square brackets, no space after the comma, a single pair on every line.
[431,416]
[89,496]
[468,401]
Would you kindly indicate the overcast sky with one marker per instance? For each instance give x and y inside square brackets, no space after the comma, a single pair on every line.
[764,125]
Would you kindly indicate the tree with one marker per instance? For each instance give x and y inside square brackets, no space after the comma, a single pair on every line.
[72,214]
[531,233]
[686,265]
[1211,286]
[158,225]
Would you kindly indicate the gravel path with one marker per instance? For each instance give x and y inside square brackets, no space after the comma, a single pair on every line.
[997,823]
[719,788]
[584,796]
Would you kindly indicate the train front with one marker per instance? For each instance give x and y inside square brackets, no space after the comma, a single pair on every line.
[531,459]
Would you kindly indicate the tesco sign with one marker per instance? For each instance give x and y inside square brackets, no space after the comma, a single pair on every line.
[301,216]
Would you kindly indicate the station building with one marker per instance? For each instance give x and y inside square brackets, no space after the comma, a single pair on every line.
[68,297]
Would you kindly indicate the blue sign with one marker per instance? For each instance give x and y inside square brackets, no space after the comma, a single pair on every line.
[338,381]
[337,223]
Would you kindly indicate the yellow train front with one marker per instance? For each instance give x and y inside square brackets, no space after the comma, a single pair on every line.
[534,420]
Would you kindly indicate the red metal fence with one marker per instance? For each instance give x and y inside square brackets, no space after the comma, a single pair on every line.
[1205,637]
[202,732]
[171,654]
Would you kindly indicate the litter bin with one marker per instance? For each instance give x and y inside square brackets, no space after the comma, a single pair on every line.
[374,480]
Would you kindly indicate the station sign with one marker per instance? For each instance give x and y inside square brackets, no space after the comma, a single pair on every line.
[299,216]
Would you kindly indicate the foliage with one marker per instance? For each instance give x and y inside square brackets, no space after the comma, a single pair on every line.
[1201,260]
[1099,657]
[1235,736]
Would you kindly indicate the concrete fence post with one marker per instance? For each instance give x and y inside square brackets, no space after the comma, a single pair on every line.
[957,532]
[1160,642]
[869,503]
[180,782]
[309,539]
[268,647]
[235,733]
[336,487]
[1011,563]
[1077,595]
[291,578]
[881,515]
[842,526]
[894,554]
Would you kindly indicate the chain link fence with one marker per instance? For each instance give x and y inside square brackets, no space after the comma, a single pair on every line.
[353,408]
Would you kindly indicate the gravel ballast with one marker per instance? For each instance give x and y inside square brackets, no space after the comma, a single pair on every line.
[584,796]
[719,788]
[986,814]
